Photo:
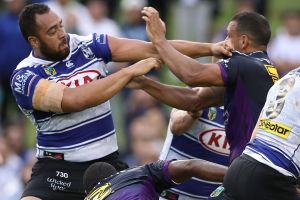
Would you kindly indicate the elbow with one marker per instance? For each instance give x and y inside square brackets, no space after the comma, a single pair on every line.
[176,130]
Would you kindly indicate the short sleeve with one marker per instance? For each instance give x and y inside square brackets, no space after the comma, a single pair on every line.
[159,173]
[101,48]
[23,83]
[229,69]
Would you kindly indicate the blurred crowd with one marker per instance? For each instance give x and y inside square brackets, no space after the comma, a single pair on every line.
[144,120]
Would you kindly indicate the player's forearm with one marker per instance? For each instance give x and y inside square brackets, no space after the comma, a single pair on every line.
[183,170]
[96,92]
[192,49]
[207,170]
[185,68]
[180,121]
[177,97]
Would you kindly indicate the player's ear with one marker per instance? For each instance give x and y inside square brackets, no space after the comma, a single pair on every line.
[34,42]
[244,41]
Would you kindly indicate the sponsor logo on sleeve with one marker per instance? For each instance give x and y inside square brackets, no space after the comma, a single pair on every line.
[20,81]
[272,72]
[280,130]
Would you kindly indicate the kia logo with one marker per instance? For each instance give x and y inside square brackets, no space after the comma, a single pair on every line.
[215,140]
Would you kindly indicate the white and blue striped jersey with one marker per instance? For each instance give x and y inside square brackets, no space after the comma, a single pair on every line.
[205,140]
[80,136]
[277,139]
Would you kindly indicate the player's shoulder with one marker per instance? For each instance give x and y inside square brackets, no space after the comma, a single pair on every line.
[76,40]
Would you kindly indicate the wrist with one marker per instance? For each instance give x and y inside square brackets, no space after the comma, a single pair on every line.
[159,41]
[128,72]
[210,47]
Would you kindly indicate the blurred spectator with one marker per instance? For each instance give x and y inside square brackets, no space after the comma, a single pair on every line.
[73,14]
[241,6]
[11,186]
[142,108]
[146,137]
[134,26]
[284,50]
[193,19]
[10,40]
[99,21]
[14,134]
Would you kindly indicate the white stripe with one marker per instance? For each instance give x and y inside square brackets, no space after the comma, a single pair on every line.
[263,159]
[209,122]
[188,194]
[89,152]
[209,182]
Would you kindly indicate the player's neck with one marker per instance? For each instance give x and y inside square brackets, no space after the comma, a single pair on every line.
[251,49]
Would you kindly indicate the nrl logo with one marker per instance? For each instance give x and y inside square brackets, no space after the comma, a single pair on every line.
[212,113]
[87,52]
[50,71]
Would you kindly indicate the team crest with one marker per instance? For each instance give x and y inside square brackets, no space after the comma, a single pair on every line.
[212,113]
[87,52]
[50,71]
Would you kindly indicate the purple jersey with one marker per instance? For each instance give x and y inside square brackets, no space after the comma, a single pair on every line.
[247,78]
[139,183]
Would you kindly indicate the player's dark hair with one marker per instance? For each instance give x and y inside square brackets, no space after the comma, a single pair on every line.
[27,17]
[254,25]
[95,173]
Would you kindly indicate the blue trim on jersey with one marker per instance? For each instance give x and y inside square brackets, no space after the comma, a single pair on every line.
[195,149]
[101,47]
[189,187]
[78,135]
[275,155]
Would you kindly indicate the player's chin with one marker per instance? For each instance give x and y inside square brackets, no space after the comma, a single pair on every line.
[65,51]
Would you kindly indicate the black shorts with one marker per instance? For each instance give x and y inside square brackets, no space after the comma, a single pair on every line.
[248,179]
[54,179]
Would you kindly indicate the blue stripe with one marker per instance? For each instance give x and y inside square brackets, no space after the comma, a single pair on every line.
[195,149]
[84,133]
[196,188]
[275,156]
[80,145]
[78,124]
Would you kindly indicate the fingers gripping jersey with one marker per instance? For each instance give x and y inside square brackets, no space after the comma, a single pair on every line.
[277,139]
[204,140]
[73,134]
[247,78]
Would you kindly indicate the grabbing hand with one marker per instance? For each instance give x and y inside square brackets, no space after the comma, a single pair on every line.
[221,49]
[136,82]
[144,66]
[155,27]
